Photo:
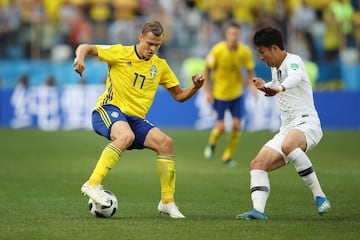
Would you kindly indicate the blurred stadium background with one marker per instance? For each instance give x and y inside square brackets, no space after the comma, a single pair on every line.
[38,88]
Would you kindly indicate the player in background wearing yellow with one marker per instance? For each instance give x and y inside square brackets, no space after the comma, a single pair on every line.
[134,74]
[229,66]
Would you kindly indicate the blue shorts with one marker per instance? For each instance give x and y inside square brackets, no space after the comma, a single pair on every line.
[234,106]
[105,116]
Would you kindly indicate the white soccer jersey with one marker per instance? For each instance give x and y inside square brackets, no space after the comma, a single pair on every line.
[297,100]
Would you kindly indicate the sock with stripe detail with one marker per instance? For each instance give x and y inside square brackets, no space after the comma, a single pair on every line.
[108,158]
[259,188]
[306,171]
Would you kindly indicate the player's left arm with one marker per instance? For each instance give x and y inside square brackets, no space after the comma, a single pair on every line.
[181,95]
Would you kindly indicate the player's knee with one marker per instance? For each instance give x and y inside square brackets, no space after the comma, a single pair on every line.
[288,147]
[236,125]
[258,164]
[236,128]
[221,129]
[125,138]
[166,145]
[255,164]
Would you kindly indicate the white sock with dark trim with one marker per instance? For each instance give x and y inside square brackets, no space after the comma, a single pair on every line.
[306,171]
[259,188]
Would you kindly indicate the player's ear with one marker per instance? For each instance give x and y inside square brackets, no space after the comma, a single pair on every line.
[141,37]
[275,47]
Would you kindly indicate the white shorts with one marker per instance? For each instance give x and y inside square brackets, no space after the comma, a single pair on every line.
[309,126]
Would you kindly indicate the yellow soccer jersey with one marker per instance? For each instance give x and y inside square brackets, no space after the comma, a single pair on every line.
[132,82]
[227,69]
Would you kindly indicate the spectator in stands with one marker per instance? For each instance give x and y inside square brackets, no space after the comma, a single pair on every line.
[9,29]
[100,14]
[32,13]
[356,30]
[304,17]
[123,27]
[343,12]
[332,42]
[80,29]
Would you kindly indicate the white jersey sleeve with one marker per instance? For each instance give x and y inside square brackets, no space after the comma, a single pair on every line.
[297,99]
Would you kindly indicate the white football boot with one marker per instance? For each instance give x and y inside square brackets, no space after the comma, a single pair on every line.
[170,209]
[96,193]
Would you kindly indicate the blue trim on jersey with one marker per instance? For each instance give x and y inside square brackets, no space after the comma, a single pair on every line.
[105,116]
[235,106]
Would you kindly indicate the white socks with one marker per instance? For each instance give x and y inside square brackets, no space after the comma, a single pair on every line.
[260,189]
[260,185]
[305,170]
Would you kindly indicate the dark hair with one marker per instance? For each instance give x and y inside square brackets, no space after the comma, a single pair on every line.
[154,27]
[267,37]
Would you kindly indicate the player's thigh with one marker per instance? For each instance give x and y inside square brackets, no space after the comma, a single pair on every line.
[312,132]
[235,107]
[295,138]
[268,159]
[276,145]
[220,107]
[158,141]
[121,131]
[141,128]
[104,117]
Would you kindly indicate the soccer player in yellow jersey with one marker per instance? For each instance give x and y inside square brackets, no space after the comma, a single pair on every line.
[224,79]
[134,74]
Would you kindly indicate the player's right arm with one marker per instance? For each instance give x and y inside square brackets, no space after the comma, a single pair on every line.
[81,52]
[267,88]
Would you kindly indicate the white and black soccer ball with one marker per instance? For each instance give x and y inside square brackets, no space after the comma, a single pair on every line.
[101,211]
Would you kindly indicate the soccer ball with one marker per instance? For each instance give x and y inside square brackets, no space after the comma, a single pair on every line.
[101,211]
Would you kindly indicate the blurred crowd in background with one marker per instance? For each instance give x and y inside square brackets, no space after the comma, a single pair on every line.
[323,32]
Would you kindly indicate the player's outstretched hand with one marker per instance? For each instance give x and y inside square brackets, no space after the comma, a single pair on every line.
[79,66]
[198,80]
[267,89]
[258,82]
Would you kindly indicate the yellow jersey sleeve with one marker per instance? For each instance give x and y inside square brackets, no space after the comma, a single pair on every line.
[132,82]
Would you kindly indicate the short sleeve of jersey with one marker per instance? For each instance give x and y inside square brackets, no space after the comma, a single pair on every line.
[211,57]
[109,53]
[168,78]
[295,71]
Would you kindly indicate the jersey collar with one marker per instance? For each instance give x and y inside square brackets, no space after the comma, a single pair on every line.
[138,55]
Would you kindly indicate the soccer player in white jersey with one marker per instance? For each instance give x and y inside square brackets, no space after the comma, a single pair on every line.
[300,130]
[134,74]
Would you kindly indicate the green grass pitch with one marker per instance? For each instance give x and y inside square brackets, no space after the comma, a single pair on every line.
[41,174]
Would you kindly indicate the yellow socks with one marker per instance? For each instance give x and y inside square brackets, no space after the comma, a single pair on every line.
[107,160]
[234,138]
[167,174]
[214,136]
